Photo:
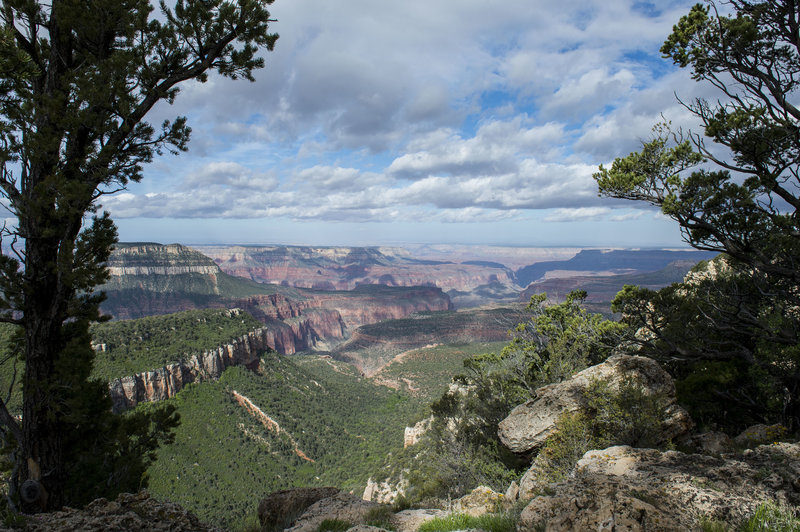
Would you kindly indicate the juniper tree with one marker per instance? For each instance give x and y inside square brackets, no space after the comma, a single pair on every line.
[77,81]
[735,189]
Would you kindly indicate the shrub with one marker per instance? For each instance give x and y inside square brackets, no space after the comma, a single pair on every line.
[381,517]
[626,416]
[505,522]
[333,525]
[772,517]
[449,468]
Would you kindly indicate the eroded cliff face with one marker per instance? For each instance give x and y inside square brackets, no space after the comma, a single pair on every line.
[294,324]
[162,264]
[165,382]
[148,279]
[371,304]
[345,268]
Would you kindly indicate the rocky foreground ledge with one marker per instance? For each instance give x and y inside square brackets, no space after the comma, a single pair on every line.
[619,488]
[129,512]
[622,488]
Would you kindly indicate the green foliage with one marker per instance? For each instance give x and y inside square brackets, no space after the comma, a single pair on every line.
[444,467]
[488,522]
[773,517]
[133,346]
[223,458]
[713,525]
[77,80]
[556,342]
[722,336]
[334,525]
[381,517]
[744,312]
[573,437]
[112,458]
[628,415]
[625,416]
[12,345]
[461,450]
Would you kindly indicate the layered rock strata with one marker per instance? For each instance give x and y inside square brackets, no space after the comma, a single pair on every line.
[165,382]
[345,268]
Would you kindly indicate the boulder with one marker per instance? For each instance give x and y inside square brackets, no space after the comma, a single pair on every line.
[342,506]
[386,491]
[512,493]
[481,500]
[759,434]
[131,512]
[531,483]
[281,508]
[529,424]
[413,434]
[715,443]
[413,519]
[622,488]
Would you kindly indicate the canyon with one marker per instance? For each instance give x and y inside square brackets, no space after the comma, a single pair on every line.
[165,382]
[345,268]
[372,346]
[148,279]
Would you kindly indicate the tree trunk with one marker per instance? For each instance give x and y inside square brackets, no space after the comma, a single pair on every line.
[43,406]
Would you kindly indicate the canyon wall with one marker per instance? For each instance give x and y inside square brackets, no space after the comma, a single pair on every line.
[294,324]
[345,268]
[148,279]
[371,304]
[163,383]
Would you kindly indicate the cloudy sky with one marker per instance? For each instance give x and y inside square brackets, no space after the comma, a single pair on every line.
[422,121]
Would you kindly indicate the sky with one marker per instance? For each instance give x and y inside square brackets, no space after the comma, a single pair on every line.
[446,121]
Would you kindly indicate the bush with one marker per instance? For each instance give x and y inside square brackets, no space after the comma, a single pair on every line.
[450,468]
[333,525]
[381,517]
[505,522]
[772,517]
[627,416]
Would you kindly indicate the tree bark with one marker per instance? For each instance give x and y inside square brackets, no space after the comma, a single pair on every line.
[43,405]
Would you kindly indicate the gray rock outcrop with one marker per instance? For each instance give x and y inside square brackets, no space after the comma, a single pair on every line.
[131,512]
[279,509]
[413,519]
[412,434]
[386,491]
[343,506]
[529,424]
[622,488]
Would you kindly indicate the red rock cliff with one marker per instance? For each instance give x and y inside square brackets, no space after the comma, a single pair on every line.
[163,383]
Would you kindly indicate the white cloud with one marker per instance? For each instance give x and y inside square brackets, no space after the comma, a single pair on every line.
[451,111]
[496,148]
[229,175]
[579,214]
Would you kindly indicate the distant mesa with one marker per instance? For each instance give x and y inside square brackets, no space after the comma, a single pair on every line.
[344,268]
[616,261]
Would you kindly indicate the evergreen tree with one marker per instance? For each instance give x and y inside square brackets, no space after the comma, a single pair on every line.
[735,189]
[77,79]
